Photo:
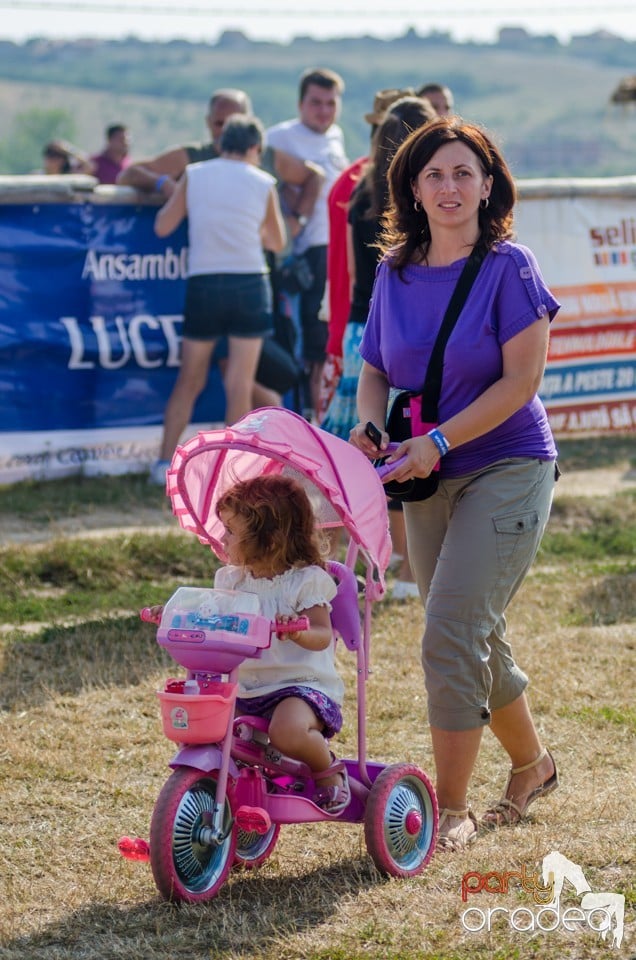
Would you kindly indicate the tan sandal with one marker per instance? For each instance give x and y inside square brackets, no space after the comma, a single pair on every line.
[456,838]
[506,812]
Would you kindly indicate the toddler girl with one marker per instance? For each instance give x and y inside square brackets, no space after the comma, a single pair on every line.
[274,552]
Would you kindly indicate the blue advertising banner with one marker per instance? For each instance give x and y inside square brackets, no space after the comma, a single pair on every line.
[90,318]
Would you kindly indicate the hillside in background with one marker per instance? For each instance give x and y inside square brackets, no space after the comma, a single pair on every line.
[547,104]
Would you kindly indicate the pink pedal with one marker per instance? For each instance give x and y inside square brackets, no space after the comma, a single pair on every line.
[147,616]
[253,819]
[134,848]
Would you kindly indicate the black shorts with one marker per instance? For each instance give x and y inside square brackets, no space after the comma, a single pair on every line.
[227,304]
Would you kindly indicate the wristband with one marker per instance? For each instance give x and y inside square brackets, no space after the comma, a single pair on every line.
[159,182]
[439,440]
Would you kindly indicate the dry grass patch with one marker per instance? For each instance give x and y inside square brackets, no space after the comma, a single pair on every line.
[83,760]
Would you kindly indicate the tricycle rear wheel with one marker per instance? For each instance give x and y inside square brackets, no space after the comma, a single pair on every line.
[400,820]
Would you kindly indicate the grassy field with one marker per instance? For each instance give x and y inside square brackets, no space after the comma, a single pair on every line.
[156,123]
[83,757]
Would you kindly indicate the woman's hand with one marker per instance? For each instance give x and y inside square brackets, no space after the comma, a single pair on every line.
[373,391]
[422,456]
[359,437]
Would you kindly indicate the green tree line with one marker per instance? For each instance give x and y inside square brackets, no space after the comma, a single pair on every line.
[547,103]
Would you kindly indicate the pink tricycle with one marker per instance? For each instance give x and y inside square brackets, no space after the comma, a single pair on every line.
[230,791]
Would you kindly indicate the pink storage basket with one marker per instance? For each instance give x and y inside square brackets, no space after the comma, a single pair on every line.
[199,717]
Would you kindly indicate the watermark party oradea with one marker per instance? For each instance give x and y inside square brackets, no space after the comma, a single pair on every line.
[602,912]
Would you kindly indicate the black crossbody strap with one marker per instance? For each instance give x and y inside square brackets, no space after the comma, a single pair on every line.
[433,379]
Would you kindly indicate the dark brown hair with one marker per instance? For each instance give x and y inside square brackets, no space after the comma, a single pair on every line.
[279,521]
[115,128]
[56,151]
[321,77]
[403,116]
[406,229]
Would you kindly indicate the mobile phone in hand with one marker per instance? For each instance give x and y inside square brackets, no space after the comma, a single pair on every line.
[372,432]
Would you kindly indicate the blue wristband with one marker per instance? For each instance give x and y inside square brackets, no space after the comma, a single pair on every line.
[159,182]
[439,440]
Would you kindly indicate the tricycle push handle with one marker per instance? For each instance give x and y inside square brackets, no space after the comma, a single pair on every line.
[387,468]
[293,626]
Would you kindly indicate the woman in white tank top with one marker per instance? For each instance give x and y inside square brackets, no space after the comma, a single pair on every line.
[233,215]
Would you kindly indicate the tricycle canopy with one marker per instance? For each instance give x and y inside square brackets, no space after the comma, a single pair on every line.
[341,483]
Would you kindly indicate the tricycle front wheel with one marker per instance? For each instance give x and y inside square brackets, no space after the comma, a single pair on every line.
[187,867]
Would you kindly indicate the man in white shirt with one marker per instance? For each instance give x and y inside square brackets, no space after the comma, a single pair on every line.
[316,138]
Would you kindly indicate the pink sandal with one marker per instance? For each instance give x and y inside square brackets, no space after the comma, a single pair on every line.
[333,799]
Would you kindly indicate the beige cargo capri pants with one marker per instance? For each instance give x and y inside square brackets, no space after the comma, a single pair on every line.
[470,547]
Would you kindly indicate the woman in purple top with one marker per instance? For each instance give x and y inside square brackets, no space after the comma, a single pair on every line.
[472,543]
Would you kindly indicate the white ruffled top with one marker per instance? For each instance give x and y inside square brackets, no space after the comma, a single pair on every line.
[285,663]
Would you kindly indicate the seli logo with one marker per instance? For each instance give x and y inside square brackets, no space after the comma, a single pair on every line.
[614,245]
[602,912]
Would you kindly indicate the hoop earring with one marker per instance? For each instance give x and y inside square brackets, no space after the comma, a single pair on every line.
[484,203]
[417,206]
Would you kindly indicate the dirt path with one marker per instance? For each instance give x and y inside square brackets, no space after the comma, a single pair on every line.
[603,482]
[97,523]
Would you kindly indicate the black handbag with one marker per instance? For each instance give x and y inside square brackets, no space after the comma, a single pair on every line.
[413,413]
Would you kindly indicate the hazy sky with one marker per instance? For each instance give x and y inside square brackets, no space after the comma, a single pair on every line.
[280,20]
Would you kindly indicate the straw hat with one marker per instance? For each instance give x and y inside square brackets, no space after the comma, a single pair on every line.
[383,100]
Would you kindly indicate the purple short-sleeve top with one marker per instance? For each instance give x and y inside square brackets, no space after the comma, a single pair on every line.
[405,315]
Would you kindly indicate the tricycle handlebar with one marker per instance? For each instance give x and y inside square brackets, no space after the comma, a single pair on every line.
[293,626]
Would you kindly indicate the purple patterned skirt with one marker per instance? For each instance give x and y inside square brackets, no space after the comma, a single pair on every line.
[325,709]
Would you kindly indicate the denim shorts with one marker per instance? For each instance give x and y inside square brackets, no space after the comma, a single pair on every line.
[227,304]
